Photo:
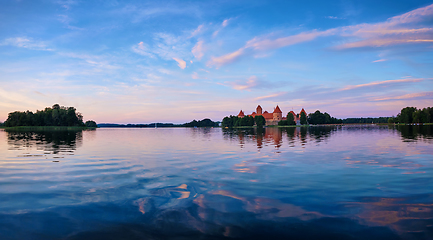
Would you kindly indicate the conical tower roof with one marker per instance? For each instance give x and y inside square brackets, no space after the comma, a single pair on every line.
[241,114]
[277,110]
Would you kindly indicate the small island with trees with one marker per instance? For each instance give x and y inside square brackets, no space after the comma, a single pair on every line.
[55,116]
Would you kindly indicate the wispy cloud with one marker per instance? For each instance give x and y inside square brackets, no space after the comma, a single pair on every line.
[410,96]
[410,28]
[275,95]
[380,60]
[142,49]
[198,50]
[24,42]
[181,63]
[382,83]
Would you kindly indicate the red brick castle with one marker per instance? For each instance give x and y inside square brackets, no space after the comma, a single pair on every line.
[274,117]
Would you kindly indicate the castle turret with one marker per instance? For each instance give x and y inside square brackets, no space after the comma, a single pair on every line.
[241,114]
[277,114]
[259,110]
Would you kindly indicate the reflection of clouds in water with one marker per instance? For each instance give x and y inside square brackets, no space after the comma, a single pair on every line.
[405,215]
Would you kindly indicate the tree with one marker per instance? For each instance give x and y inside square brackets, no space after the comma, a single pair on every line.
[91,124]
[260,121]
[290,119]
[304,118]
[55,116]
[390,120]
[406,115]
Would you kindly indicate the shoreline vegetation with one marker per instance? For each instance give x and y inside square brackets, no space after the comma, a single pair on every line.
[66,118]
[55,116]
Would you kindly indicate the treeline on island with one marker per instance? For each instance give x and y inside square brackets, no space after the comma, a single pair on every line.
[413,115]
[51,116]
[247,121]
[201,123]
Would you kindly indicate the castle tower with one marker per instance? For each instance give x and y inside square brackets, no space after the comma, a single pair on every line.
[241,114]
[303,111]
[277,114]
[259,110]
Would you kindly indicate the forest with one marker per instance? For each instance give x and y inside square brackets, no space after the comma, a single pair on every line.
[51,116]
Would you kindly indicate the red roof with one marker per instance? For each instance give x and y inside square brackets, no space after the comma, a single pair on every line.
[267,115]
[241,114]
[277,110]
[303,112]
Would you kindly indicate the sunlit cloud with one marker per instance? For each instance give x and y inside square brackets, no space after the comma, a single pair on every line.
[410,96]
[181,63]
[396,30]
[198,50]
[275,95]
[380,60]
[23,42]
[142,49]
[381,83]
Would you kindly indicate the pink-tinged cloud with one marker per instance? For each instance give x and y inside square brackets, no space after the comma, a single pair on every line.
[380,60]
[225,23]
[268,44]
[142,49]
[226,59]
[245,85]
[410,96]
[181,63]
[269,96]
[402,29]
[198,50]
[383,83]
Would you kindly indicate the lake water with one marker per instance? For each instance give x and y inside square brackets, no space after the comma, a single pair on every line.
[346,182]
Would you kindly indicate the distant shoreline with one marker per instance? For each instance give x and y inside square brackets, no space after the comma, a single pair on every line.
[56,128]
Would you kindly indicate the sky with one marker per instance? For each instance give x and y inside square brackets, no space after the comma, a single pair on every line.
[175,61]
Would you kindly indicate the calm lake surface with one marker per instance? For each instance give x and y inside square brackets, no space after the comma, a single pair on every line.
[346,182]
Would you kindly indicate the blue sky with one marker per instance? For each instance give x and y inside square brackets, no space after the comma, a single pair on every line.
[174,61]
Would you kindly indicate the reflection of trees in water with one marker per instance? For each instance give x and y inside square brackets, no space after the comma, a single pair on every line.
[415,132]
[274,136]
[49,141]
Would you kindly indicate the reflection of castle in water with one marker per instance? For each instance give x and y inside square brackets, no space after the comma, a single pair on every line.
[277,136]
[51,142]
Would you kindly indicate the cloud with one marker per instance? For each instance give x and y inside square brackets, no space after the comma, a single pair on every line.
[225,22]
[410,28]
[410,96]
[197,30]
[382,83]
[24,42]
[270,96]
[142,49]
[226,59]
[181,63]
[380,60]
[198,50]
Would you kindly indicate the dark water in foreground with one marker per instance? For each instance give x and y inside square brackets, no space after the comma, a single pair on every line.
[358,182]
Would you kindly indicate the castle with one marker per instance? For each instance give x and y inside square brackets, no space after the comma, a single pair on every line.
[274,117]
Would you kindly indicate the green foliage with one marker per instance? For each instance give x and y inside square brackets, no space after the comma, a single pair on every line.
[390,120]
[322,118]
[303,118]
[406,115]
[283,123]
[55,116]
[290,119]
[201,123]
[234,121]
[260,121]
[413,115]
[366,120]
[91,124]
